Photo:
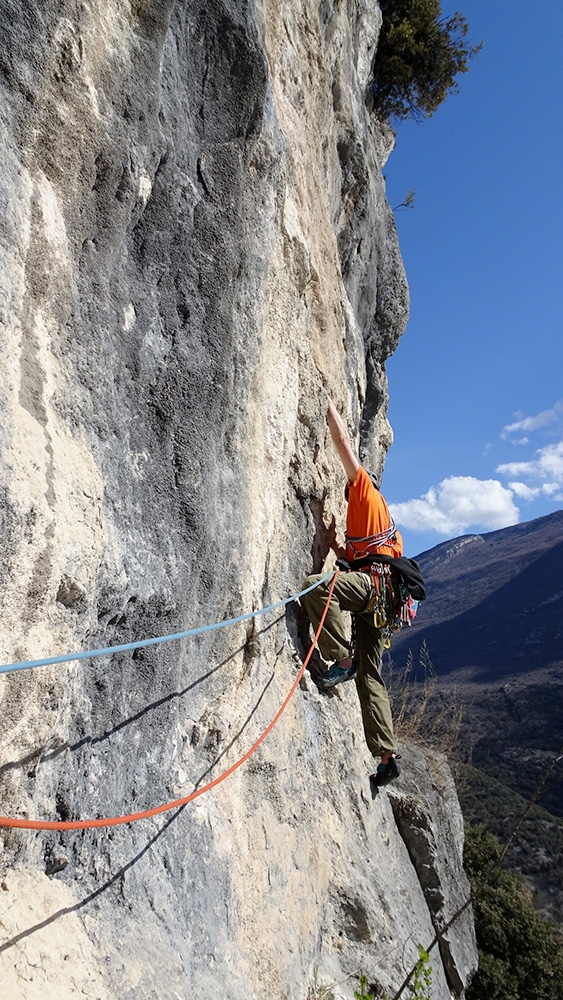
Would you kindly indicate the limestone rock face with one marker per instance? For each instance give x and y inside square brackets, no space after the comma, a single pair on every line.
[196,250]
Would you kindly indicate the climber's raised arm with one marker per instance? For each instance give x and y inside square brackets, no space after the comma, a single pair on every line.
[342,443]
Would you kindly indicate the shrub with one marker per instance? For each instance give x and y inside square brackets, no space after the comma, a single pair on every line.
[418,57]
[422,977]
[520,954]
[362,992]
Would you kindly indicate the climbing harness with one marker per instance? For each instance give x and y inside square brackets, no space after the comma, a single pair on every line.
[396,588]
[30,824]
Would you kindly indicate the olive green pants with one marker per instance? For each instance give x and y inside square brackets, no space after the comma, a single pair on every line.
[351,593]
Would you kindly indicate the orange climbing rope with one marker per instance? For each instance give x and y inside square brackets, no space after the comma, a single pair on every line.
[85,824]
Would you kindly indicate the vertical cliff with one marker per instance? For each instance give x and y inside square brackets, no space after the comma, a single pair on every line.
[196,249]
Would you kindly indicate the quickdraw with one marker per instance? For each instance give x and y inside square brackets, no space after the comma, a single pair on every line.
[390,602]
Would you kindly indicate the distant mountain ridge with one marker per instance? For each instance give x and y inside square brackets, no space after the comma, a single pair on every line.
[495,603]
[493,627]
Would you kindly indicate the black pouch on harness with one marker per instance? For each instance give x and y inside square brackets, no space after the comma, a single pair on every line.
[408,571]
[397,587]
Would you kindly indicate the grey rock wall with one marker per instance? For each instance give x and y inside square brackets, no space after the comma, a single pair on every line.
[196,249]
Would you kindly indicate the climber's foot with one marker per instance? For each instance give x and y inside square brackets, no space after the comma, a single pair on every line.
[344,670]
[386,772]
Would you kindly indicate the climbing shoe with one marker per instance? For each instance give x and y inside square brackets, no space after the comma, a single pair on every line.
[336,675]
[385,773]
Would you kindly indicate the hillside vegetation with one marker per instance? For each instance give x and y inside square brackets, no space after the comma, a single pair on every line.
[520,952]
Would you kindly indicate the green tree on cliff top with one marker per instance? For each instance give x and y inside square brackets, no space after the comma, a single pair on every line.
[418,57]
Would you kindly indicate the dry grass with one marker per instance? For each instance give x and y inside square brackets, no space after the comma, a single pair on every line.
[320,993]
[422,712]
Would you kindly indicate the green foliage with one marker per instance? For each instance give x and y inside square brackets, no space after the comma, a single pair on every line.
[422,976]
[520,954]
[418,57]
[362,993]
[537,848]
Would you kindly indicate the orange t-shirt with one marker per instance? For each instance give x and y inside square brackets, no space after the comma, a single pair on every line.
[368,515]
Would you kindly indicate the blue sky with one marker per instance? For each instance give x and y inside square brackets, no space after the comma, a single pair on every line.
[476,384]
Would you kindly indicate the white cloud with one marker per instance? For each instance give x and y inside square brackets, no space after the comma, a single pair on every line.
[457,504]
[547,465]
[527,424]
[531,492]
[525,492]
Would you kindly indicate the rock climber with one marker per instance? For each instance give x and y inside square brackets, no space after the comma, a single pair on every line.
[369,529]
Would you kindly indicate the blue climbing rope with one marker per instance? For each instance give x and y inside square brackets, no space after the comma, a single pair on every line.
[67,657]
